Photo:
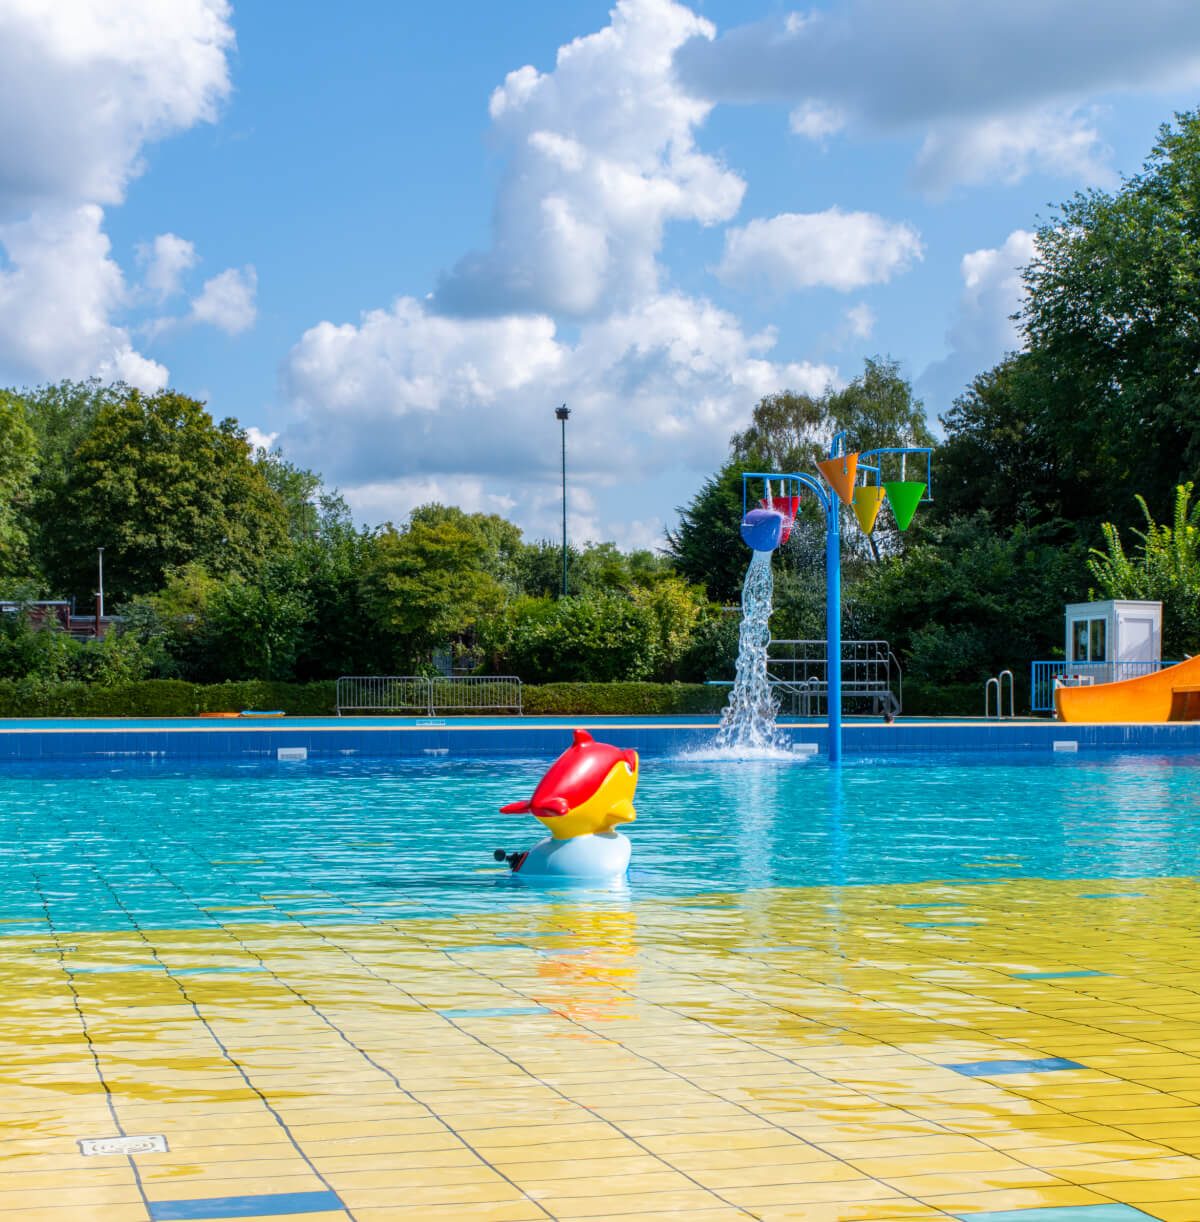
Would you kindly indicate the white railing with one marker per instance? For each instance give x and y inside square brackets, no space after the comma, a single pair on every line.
[421,695]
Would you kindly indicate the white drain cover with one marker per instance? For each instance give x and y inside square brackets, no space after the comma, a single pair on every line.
[295,754]
[156,1144]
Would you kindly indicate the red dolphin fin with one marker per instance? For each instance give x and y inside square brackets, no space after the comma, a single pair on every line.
[515,808]
[551,808]
[581,737]
[631,758]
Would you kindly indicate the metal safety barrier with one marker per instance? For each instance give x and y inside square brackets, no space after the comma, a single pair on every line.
[798,674]
[426,696]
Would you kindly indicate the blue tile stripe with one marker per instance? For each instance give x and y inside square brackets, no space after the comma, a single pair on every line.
[494,1011]
[1054,975]
[1061,1213]
[270,1205]
[988,1069]
[943,924]
[90,738]
[1114,895]
[474,950]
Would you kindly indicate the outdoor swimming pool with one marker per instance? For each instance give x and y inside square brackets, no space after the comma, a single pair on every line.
[96,846]
[910,987]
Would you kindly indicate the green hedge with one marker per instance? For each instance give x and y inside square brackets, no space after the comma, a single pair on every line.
[174,698]
[629,699]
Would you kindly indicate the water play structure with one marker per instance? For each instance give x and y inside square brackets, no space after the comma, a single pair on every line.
[585,795]
[852,478]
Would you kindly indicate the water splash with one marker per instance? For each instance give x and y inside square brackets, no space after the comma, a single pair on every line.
[748,722]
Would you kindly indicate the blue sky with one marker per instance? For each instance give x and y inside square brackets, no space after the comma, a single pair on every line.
[395,238]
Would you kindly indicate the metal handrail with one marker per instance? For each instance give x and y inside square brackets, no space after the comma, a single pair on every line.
[998,682]
[869,671]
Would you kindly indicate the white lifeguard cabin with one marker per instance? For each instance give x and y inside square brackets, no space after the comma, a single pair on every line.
[1116,639]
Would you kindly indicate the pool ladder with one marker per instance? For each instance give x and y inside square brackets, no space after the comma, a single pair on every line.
[997,682]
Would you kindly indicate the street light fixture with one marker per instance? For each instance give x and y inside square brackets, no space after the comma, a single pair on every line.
[561,414]
[100,595]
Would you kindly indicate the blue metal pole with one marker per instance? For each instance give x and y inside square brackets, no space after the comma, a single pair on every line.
[833,626]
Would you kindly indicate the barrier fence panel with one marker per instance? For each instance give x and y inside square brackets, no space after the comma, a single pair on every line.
[424,696]
[798,673]
[476,694]
[1046,676]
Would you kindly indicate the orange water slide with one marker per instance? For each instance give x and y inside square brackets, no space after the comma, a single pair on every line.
[1172,694]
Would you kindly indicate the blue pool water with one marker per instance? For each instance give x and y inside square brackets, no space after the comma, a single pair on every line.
[97,846]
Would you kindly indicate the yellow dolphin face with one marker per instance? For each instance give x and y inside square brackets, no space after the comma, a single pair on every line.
[609,806]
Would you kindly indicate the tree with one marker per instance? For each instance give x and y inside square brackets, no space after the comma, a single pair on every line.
[966,601]
[1112,321]
[791,432]
[597,638]
[1167,570]
[706,547]
[430,583]
[158,485]
[18,465]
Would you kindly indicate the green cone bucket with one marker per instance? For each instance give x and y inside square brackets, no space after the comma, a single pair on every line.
[904,496]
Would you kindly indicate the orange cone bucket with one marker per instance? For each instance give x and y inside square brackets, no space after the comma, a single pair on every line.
[841,472]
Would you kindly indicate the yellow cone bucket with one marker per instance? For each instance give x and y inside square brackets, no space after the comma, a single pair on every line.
[841,473]
[867,504]
[904,496]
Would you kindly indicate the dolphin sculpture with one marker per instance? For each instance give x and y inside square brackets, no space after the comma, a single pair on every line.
[586,794]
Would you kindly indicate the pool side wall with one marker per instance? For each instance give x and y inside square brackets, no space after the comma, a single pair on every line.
[184,739]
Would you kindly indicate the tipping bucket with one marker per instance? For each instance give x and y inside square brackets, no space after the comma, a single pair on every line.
[789,506]
[841,472]
[867,503]
[904,496]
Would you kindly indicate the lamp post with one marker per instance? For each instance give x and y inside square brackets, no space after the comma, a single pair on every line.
[100,552]
[561,414]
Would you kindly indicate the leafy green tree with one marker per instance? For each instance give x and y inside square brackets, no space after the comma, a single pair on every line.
[989,458]
[791,432]
[677,609]
[498,542]
[251,630]
[596,638]
[429,584]
[706,547]
[298,490]
[1113,329]
[965,602]
[1166,570]
[157,484]
[18,465]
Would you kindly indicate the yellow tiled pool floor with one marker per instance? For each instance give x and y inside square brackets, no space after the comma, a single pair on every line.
[885,1052]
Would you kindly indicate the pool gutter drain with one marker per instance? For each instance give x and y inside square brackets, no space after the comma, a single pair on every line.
[150,1144]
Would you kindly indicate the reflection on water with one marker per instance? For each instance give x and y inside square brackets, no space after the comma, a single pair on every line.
[356,841]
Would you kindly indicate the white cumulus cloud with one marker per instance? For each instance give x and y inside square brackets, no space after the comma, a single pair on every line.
[1006,148]
[834,249]
[982,329]
[407,396]
[166,260]
[227,300]
[57,297]
[994,89]
[600,155]
[84,87]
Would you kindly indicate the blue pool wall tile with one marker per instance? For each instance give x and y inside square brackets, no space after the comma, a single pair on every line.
[31,740]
